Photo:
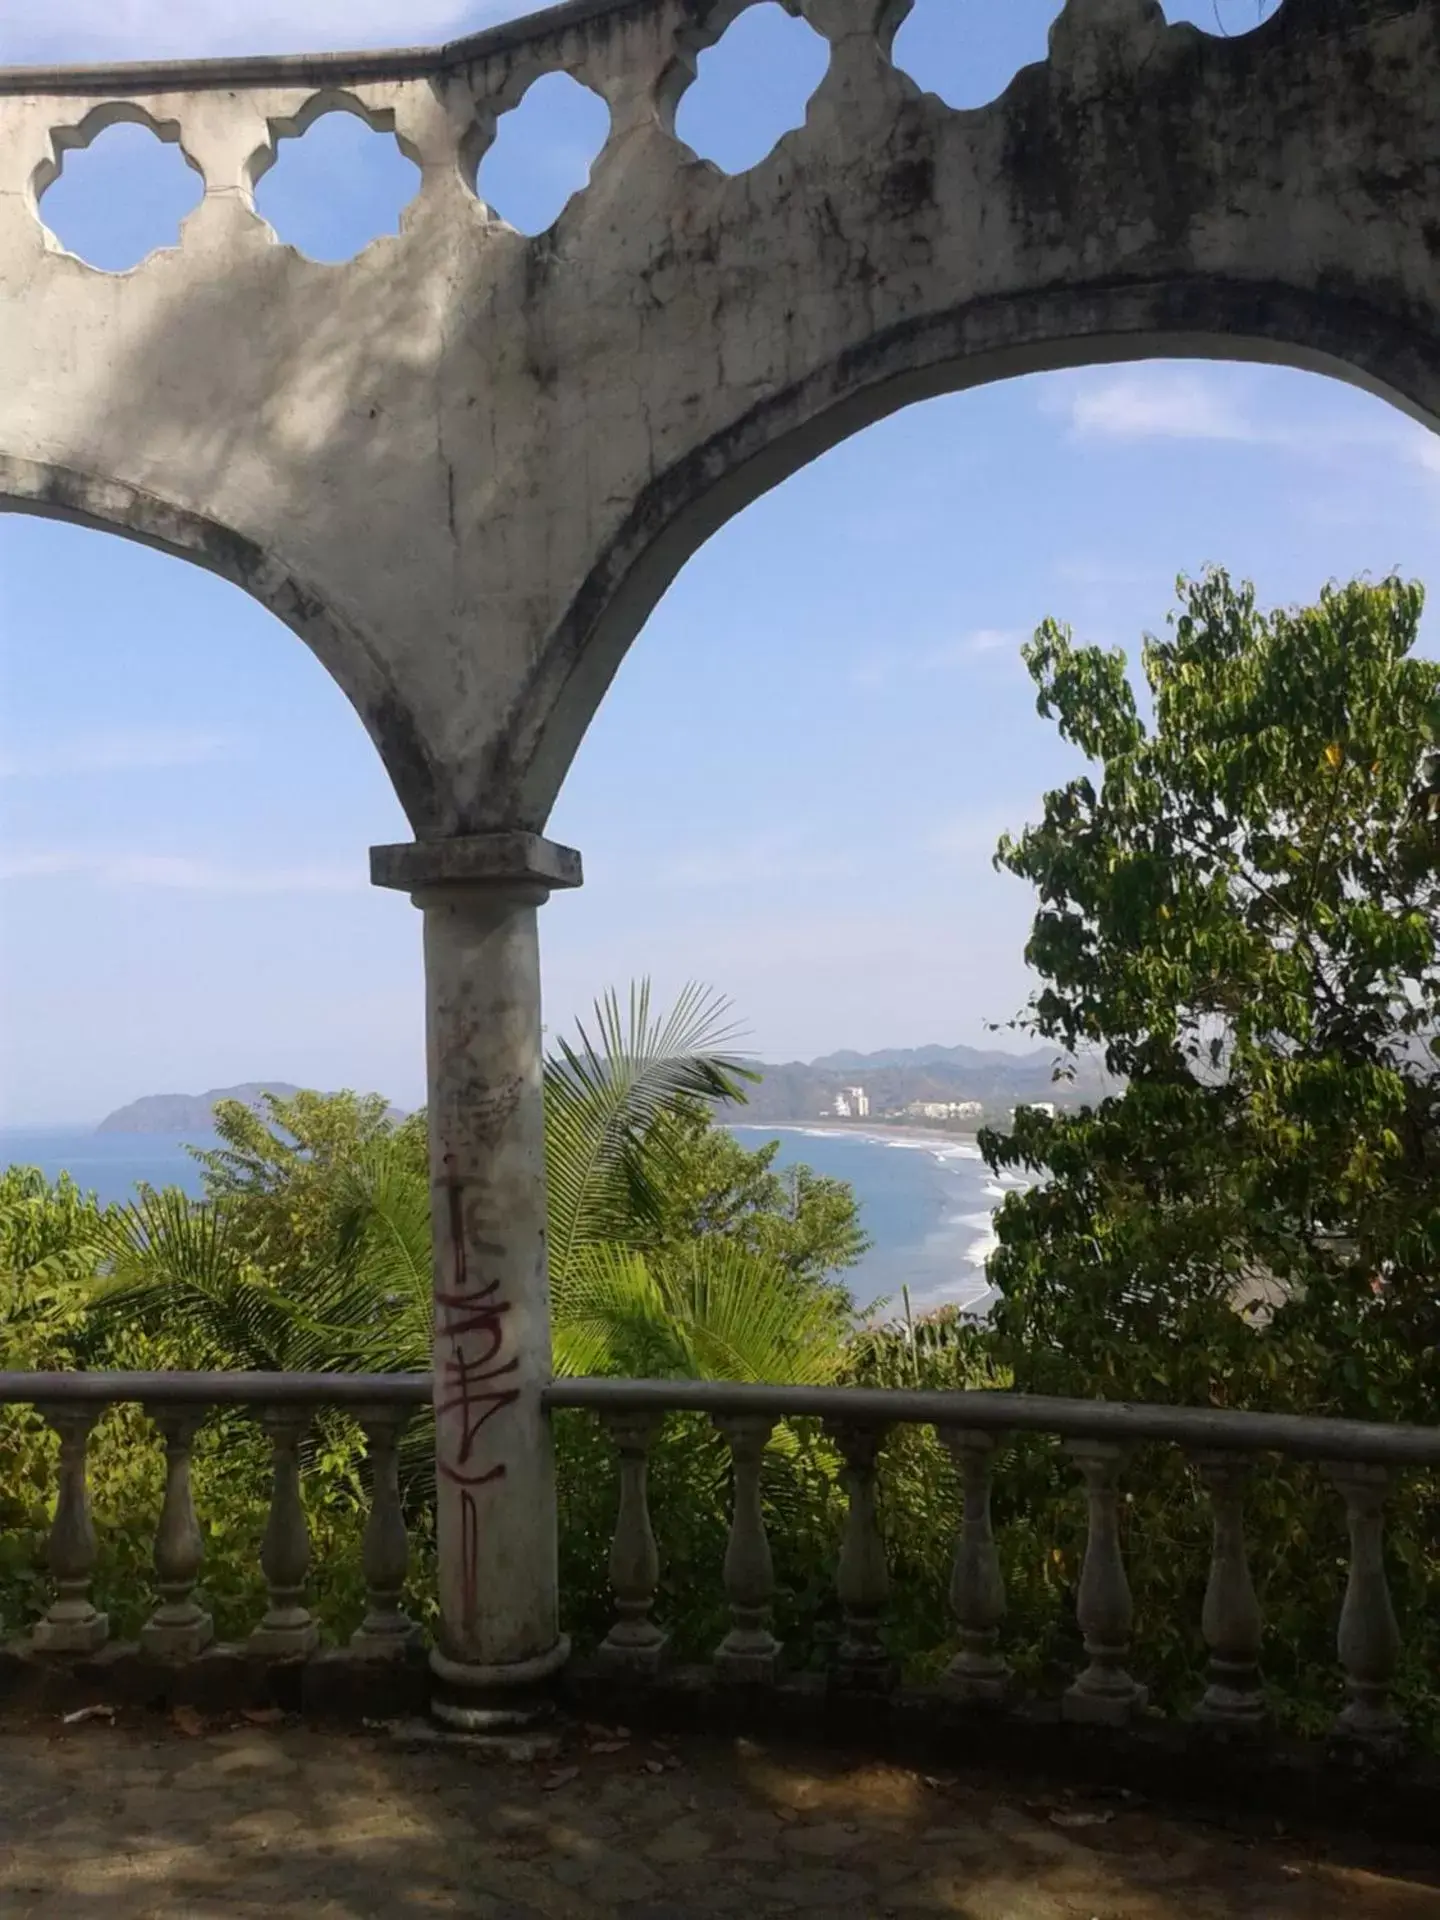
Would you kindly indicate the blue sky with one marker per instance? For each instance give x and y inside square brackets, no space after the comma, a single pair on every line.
[795,786]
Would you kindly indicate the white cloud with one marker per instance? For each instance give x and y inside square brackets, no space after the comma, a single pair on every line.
[178,874]
[123,752]
[81,30]
[1184,403]
[1155,404]
[905,662]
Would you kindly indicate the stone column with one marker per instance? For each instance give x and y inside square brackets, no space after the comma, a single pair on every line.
[498,1635]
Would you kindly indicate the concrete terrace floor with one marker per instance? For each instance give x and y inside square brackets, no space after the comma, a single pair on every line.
[153,1818]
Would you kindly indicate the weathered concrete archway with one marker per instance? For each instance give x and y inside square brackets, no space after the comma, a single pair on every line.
[464,466]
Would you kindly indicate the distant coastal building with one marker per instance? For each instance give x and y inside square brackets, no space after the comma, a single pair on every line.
[945,1109]
[1046,1107]
[851,1103]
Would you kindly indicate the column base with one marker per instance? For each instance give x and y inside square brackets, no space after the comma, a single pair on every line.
[495,1699]
[178,1639]
[83,1633]
[1376,1731]
[386,1643]
[1117,1709]
[986,1685]
[283,1643]
[640,1657]
[1230,1711]
[872,1676]
[743,1665]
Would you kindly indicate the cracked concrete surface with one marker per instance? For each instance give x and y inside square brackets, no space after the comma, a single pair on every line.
[143,1821]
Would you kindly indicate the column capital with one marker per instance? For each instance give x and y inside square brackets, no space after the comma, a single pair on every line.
[499,860]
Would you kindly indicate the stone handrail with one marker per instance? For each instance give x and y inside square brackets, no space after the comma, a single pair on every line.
[316,69]
[284,1404]
[237,1389]
[1357,1457]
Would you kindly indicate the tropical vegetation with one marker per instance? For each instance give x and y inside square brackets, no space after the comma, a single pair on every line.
[1238,916]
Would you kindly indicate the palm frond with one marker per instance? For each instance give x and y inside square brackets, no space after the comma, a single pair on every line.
[173,1264]
[743,1316]
[608,1316]
[716,1312]
[603,1095]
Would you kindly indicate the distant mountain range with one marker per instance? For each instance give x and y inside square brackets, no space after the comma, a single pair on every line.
[896,1077]
[968,1058]
[797,1090]
[193,1113]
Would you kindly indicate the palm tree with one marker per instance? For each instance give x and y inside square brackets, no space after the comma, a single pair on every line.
[364,1301]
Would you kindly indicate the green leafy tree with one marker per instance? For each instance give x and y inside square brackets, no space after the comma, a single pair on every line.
[313,1249]
[1240,907]
[51,1239]
[276,1173]
[805,1222]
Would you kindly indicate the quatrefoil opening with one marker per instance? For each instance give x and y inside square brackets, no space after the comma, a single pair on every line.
[542,151]
[968,51]
[335,178]
[743,82]
[116,187]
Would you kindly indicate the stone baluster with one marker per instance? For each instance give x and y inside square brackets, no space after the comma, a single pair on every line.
[862,1579]
[749,1652]
[1233,1698]
[635,1644]
[1369,1638]
[287,1630]
[71,1623]
[387,1631]
[977,1587]
[179,1628]
[1104,1692]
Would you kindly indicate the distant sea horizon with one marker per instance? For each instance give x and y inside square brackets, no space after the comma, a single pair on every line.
[926,1200]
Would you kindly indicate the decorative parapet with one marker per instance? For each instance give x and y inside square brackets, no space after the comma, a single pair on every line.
[464,465]
[1227,1448]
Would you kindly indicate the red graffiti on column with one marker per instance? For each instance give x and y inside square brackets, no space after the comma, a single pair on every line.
[467,1374]
[469,1555]
[470,1333]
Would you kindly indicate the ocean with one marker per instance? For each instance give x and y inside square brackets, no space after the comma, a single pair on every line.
[109,1165]
[926,1200]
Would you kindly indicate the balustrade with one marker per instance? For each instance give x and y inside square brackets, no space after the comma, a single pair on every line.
[387,1630]
[71,1623]
[179,1628]
[287,1630]
[1233,1697]
[635,1642]
[749,1651]
[977,1586]
[862,1578]
[1369,1637]
[1104,1692]
[1226,1450]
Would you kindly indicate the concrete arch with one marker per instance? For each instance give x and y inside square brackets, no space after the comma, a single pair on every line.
[53,492]
[476,459]
[979,344]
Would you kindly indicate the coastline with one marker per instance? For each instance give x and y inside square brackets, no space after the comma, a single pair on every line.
[892,1134]
[931,1214]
